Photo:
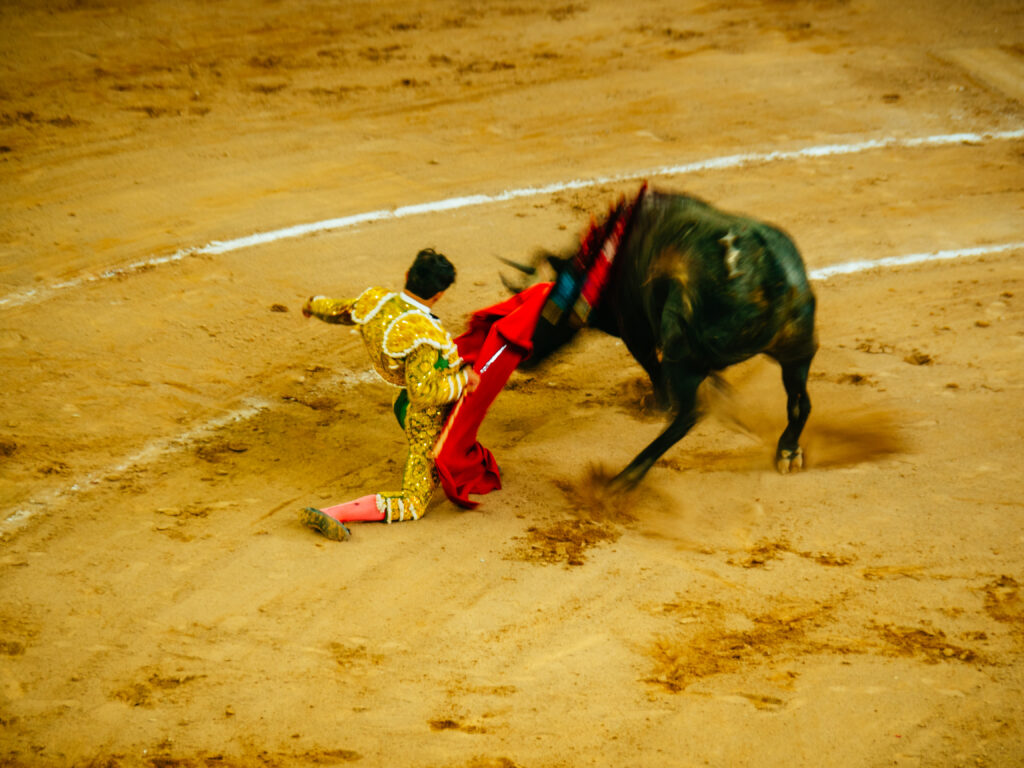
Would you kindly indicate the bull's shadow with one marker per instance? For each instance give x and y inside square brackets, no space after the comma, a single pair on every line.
[840,435]
[741,413]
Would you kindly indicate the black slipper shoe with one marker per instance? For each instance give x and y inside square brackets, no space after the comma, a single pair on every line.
[328,526]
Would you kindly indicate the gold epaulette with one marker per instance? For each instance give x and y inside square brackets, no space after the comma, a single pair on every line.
[410,330]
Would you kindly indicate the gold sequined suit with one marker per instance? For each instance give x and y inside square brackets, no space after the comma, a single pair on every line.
[408,349]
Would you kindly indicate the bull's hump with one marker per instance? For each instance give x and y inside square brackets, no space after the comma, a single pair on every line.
[731,254]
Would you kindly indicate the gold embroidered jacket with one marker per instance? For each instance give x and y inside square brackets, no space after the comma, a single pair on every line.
[407,345]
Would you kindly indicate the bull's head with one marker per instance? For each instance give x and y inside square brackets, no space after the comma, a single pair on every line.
[550,333]
[530,270]
[581,279]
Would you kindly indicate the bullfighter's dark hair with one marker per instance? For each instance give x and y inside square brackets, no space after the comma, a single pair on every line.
[430,273]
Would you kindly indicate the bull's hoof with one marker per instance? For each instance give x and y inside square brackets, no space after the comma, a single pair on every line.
[790,461]
[623,483]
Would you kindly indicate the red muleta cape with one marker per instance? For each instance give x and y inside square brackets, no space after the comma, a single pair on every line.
[498,339]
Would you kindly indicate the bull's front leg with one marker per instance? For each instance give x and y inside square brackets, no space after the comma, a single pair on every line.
[684,389]
[789,456]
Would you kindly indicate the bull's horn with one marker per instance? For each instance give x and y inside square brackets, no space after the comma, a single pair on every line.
[509,285]
[525,269]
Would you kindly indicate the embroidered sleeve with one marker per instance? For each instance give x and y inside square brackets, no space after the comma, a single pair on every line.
[337,311]
[429,380]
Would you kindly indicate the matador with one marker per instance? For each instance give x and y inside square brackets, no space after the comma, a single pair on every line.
[409,349]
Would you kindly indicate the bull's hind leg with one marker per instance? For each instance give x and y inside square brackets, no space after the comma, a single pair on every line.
[789,456]
[684,391]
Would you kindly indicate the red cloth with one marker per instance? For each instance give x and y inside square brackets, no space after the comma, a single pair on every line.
[498,338]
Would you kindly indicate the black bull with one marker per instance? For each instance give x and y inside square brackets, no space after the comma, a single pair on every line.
[691,291]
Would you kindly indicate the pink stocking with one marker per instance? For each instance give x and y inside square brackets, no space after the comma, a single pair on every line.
[363,510]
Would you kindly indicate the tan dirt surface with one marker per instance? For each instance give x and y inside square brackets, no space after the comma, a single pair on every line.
[167,411]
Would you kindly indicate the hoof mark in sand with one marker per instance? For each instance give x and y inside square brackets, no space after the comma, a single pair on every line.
[561,542]
[447,724]
[141,694]
[931,645]
[1003,603]
[766,551]
[711,640]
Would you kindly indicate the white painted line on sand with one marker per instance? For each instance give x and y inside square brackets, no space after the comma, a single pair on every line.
[457,203]
[851,267]
[150,452]
[252,407]
[159,448]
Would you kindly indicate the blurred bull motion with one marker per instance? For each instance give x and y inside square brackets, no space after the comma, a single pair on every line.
[691,290]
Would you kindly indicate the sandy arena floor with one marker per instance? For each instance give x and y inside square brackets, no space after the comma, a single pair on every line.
[167,411]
